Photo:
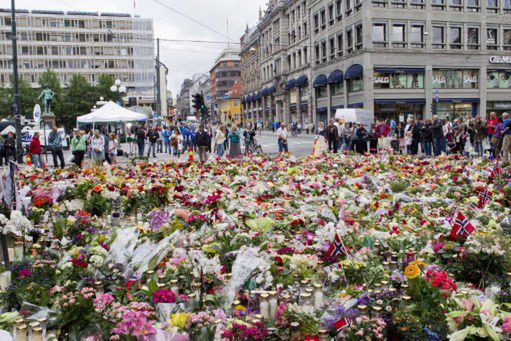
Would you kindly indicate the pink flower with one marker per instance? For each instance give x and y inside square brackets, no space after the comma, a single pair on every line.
[164,296]
[24,273]
[506,326]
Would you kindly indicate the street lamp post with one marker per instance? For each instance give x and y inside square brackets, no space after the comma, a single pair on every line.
[16,97]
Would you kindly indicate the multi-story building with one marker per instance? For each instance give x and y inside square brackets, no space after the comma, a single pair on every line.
[398,58]
[401,58]
[224,74]
[229,108]
[250,72]
[90,44]
[183,100]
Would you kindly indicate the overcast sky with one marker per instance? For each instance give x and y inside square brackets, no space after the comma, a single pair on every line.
[183,59]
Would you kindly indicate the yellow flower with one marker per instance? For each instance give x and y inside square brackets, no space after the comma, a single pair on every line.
[179,320]
[418,263]
[412,271]
[239,307]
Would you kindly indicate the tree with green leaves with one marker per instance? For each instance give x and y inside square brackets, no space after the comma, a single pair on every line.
[28,99]
[78,99]
[105,82]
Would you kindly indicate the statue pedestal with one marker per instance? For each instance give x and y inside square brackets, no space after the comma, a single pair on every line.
[49,120]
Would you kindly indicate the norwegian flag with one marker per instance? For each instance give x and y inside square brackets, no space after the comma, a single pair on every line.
[495,173]
[337,248]
[484,198]
[343,323]
[461,227]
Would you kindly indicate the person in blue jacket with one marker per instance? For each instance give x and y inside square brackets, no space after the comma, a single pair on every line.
[167,134]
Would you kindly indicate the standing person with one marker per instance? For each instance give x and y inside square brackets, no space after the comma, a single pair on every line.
[409,136]
[340,134]
[437,134]
[321,140]
[106,154]
[35,151]
[152,137]
[167,134]
[10,148]
[282,136]
[219,141]
[448,136]
[203,143]
[227,132]
[373,141]
[176,142]
[361,139]
[2,154]
[249,135]
[55,143]
[98,148]
[497,137]
[460,136]
[491,125]
[141,137]
[113,144]
[78,147]
[479,135]
[160,140]
[506,143]
[234,139]
[332,137]
[426,137]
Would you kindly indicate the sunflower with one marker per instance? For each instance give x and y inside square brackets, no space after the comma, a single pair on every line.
[419,263]
[412,271]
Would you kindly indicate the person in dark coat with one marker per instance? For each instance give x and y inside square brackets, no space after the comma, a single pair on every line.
[332,137]
[426,137]
[141,137]
[361,139]
[373,141]
[10,148]
[437,133]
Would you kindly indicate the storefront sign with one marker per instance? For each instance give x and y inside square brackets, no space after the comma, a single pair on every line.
[500,59]
[381,80]
[469,79]
[501,105]
[439,79]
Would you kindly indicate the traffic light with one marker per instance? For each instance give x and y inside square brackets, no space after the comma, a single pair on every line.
[197,100]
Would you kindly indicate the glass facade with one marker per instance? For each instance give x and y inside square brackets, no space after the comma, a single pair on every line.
[356,84]
[498,79]
[398,80]
[336,89]
[455,79]
[451,111]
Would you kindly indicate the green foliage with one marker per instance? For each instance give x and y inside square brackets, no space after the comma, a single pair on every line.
[78,100]
[398,186]
[97,205]
[105,82]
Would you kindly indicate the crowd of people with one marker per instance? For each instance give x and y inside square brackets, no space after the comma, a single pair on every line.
[429,137]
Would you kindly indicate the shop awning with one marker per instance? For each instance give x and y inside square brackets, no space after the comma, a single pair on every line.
[301,81]
[335,107]
[321,80]
[335,77]
[356,105]
[263,92]
[322,110]
[398,70]
[271,90]
[459,100]
[354,71]
[400,101]
[290,84]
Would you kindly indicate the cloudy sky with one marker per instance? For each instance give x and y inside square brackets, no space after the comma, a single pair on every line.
[183,58]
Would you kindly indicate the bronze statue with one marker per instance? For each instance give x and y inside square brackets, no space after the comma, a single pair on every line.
[47,97]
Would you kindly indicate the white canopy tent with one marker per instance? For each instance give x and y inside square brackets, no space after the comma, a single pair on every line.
[111,113]
[7,130]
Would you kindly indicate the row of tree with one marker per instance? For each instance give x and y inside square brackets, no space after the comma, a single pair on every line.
[78,98]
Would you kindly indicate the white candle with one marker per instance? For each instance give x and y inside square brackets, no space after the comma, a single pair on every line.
[273,305]
[318,297]
[264,306]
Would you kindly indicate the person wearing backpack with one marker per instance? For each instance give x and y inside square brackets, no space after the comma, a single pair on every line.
[203,141]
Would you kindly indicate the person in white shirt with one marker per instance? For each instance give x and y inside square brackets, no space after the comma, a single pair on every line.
[98,148]
[219,141]
[282,138]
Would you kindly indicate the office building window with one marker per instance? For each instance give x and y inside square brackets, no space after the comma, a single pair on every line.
[455,38]
[321,92]
[455,79]
[355,84]
[305,55]
[337,89]
[340,45]
[417,36]
[338,9]
[331,14]
[498,79]
[438,37]
[359,37]
[323,18]
[473,5]
[492,4]
[473,38]
[506,6]
[349,35]
[323,52]
[316,53]
[380,35]
[316,22]
[438,4]
[417,4]
[299,56]
[398,35]
[349,6]
[491,38]
[332,48]
[506,39]
[383,80]
[455,5]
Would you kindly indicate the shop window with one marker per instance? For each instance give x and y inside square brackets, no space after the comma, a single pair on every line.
[383,80]
[455,79]
[336,89]
[356,84]
[498,79]
[321,92]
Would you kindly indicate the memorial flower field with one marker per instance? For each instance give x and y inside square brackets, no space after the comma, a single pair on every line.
[347,247]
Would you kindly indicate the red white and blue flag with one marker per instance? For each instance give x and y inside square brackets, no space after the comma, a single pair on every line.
[484,198]
[337,248]
[343,323]
[461,227]
[495,172]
